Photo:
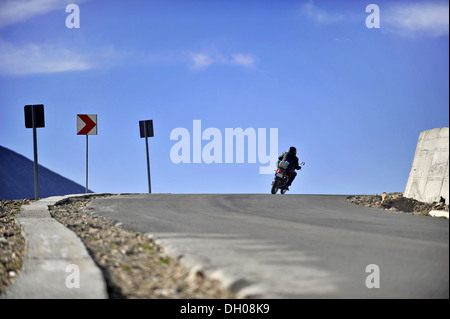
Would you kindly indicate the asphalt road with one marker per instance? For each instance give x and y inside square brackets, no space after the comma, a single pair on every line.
[294,246]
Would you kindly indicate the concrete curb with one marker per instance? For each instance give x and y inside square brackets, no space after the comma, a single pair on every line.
[56,259]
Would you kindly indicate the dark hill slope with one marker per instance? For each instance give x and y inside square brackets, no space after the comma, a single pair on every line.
[17,179]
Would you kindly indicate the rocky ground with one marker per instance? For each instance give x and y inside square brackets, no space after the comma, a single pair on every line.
[397,203]
[12,242]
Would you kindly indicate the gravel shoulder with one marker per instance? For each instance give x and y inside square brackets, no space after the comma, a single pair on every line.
[12,242]
[395,202]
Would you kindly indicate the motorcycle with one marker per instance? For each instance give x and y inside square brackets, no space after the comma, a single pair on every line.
[282,174]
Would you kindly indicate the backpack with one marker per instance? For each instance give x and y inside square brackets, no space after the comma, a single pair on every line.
[283,163]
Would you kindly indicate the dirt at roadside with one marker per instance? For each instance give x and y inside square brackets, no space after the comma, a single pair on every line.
[397,203]
[12,242]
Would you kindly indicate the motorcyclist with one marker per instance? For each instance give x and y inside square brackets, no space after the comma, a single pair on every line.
[292,158]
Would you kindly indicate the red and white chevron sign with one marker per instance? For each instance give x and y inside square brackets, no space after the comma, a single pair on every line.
[86,124]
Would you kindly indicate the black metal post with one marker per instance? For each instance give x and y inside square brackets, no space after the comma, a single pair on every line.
[36,179]
[148,160]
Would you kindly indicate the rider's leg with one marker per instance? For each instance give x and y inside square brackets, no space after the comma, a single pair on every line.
[291,178]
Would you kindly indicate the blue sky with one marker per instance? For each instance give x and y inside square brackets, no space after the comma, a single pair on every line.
[353,100]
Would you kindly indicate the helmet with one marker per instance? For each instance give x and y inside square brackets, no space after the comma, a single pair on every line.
[293,150]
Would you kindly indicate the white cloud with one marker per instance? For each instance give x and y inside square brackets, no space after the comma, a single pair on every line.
[246,60]
[25,59]
[33,59]
[14,11]
[319,15]
[416,19]
[200,61]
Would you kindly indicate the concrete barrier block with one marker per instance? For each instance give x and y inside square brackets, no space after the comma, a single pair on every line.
[429,176]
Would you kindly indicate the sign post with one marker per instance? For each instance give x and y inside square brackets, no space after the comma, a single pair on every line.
[34,118]
[146,130]
[87,125]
